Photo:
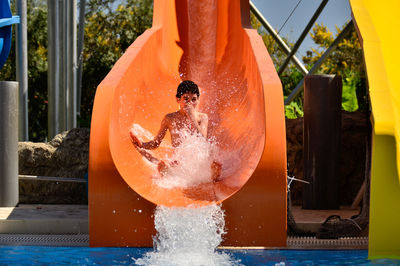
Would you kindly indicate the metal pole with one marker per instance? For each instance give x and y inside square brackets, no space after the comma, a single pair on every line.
[82,6]
[8,143]
[331,48]
[302,36]
[277,38]
[66,62]
[71,65]
[22,69]
[62,76]
[53,68]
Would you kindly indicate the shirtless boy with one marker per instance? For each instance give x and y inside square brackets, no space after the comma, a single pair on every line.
[186,118]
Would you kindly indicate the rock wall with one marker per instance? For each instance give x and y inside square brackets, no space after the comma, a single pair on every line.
[66,155]
[354,135]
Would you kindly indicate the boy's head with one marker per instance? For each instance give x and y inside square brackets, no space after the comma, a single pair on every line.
[187,86]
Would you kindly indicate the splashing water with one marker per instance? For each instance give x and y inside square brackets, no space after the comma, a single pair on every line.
[188,236]
[190,163]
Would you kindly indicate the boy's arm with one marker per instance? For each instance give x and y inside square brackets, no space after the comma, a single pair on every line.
[159,137]
[204,125]
[153,144]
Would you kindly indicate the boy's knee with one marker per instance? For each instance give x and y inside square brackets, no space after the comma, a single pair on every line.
[162,167]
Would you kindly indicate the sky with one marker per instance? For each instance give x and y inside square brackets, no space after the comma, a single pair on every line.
[336,12]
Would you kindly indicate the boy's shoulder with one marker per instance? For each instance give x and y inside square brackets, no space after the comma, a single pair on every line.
[171,117]
[203,115]
[176,115]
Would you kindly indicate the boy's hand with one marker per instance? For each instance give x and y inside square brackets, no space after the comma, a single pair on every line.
[191,112]
[135,140]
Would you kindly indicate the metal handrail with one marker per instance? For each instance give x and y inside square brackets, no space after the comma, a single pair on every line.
[302,36]
[51,178]
[277,38]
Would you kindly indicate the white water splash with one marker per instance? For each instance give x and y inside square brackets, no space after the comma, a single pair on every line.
[188,236]
[190,163]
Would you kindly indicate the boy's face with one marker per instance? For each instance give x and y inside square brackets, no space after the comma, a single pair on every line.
[187,100]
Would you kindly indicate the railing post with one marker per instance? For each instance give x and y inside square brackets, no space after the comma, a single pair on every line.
[53,74]
[8,143]
[321,141]
[22,69]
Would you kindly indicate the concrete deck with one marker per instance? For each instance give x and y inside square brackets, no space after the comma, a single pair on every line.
[67,225]
[44,219]
[310,220]
[73,219]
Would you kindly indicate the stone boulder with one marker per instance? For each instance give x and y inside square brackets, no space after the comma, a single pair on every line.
[66,155]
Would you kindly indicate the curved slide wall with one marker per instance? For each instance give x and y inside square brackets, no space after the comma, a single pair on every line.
[209,43]
[378,23]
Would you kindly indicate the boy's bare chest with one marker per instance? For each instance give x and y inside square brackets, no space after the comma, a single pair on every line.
[183,123]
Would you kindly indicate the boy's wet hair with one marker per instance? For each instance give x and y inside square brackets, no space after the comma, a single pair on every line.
[187,86]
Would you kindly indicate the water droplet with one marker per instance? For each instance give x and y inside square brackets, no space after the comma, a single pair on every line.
[140,211]
[114,211]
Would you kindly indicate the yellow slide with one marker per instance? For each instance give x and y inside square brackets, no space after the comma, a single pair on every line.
[378,24]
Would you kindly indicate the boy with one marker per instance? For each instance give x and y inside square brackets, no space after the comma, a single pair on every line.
[186,118]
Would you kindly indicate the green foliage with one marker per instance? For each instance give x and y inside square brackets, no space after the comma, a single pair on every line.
[349,95]
[294,110]
[290,78]
[347,57]
[37,67]
[346,60]
[109,31]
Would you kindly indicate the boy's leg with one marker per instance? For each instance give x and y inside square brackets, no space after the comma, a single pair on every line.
[216,171]
[162,167]
[147,155]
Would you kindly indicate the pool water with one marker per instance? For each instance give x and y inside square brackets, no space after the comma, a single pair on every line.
[28,255]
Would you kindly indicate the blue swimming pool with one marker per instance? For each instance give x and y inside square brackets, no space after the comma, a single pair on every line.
[28,255]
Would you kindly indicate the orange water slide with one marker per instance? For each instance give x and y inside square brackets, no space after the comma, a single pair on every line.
[211,43]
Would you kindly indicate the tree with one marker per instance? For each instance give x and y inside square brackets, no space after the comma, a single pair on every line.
[109,31]
[37,67]
[346,60]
